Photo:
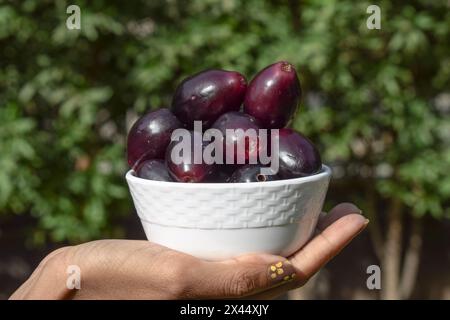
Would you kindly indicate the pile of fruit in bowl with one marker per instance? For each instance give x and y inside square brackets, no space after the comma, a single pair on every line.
[223,101]
[219,173]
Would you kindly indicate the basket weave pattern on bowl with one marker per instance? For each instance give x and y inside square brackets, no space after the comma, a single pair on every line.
[229,206]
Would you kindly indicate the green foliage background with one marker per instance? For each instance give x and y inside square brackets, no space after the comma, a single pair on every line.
[376,101]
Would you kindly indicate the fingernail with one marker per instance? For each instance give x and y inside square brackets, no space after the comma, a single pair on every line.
[281,272]
[346,207]
[357,210]
[366,222]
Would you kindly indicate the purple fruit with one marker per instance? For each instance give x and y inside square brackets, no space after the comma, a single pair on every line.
[251,173]
[273,95]
[150,136]
[207,95]
[250,143]
[229,169]
[154,169]
[298,156]
[186,170]
[220,176]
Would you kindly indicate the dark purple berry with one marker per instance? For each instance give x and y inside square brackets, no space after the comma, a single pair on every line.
[153,170]
[298,157]
[207,95]
[220,176]
[252,173]
[232,139]
[150,136]
[273,95]
[186,170]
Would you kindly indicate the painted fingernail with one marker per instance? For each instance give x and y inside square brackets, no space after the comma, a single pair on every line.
[281,272]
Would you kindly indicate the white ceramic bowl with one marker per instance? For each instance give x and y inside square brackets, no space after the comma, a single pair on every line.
[216,221]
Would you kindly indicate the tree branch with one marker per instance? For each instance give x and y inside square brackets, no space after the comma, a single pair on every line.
[392,253]
[374,225]
[294,7]
[412,259]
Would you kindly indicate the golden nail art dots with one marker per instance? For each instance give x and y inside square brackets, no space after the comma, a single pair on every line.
[289,278]
[278,270]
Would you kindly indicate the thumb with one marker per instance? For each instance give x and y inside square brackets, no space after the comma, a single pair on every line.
[244,275]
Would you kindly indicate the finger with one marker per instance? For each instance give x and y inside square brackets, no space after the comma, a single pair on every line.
[319,251]
[327,244]
[243,276]
[336,213]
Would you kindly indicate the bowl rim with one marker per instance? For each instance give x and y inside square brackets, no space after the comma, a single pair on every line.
[325,172]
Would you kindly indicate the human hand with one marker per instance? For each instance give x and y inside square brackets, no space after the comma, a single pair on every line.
[131,269]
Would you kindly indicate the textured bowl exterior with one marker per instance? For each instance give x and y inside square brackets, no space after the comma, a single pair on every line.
[200,218]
